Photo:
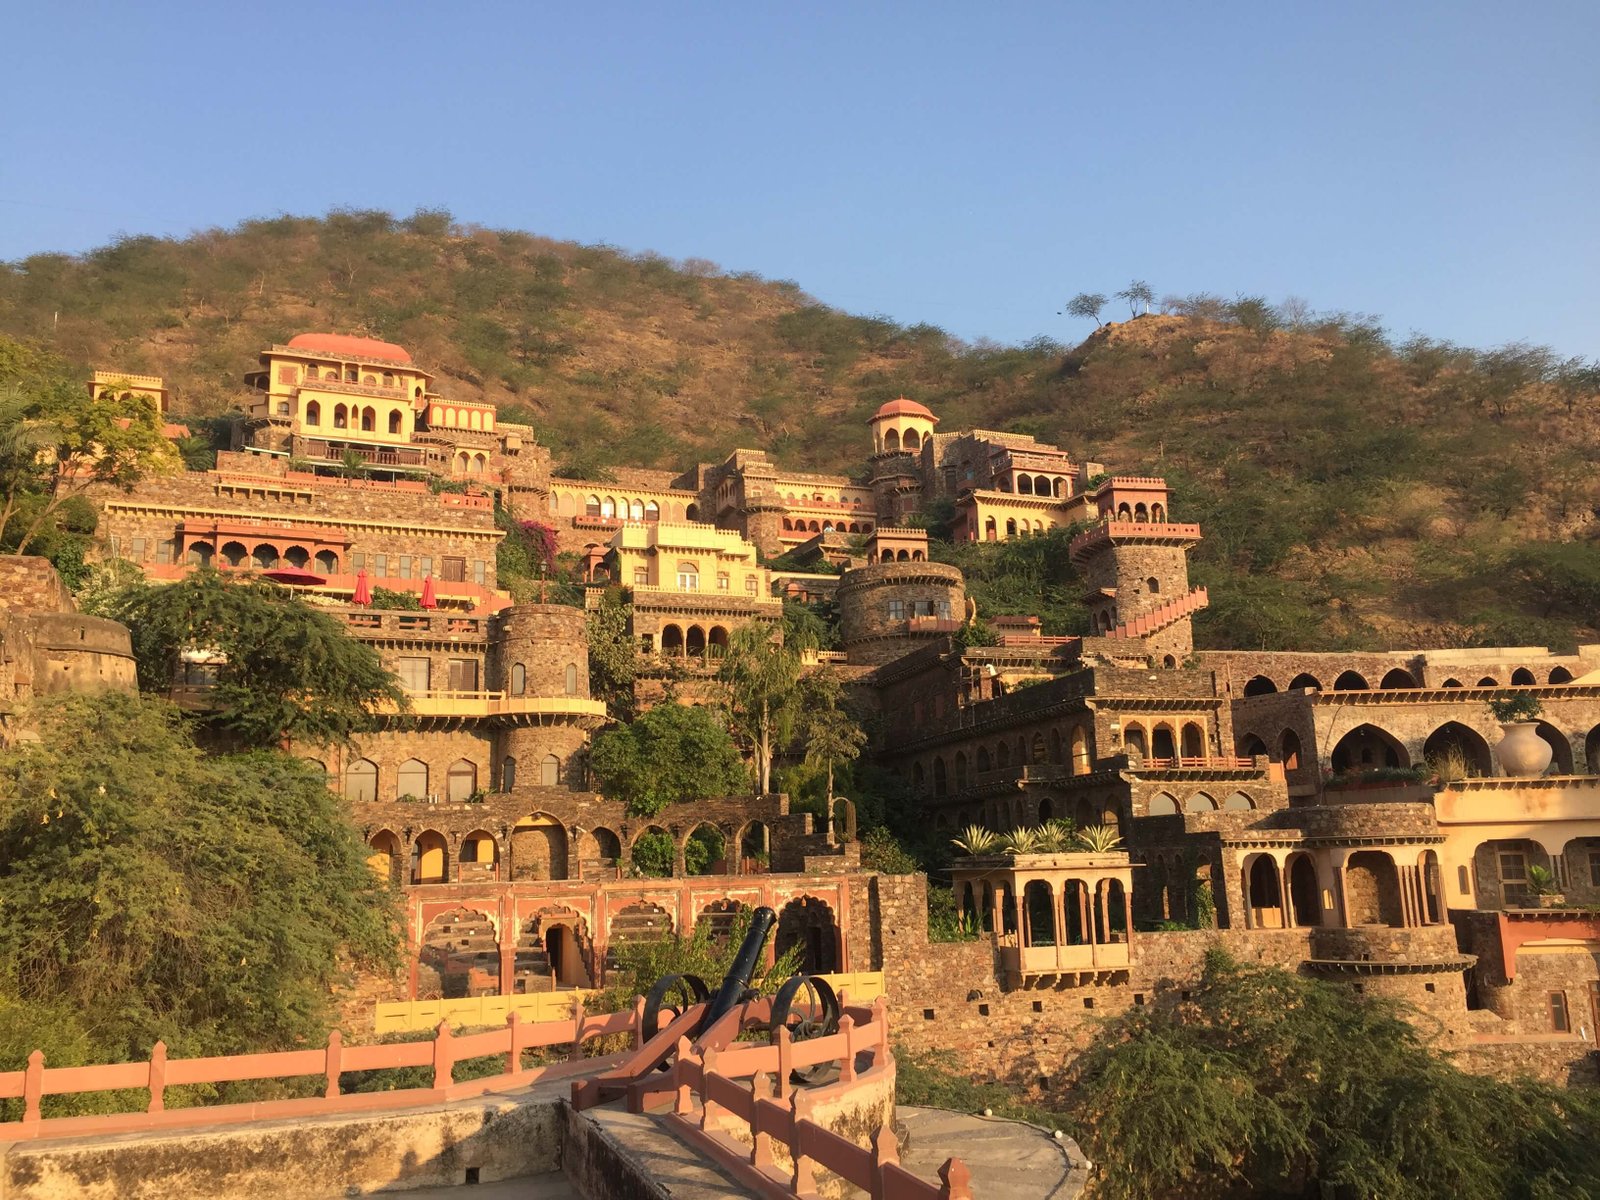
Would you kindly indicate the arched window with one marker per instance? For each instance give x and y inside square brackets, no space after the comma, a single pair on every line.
[1153,585]
[572,679]
[911,441]
[394,421]
[412,779]
[550,771]
[369,420]
[688,577]
[461,780]
[361,781]
[519,679]
[313,413]
[341,417]
[941,784]
[200,554]
[508,773]
[608,507]
[635,511]
[591,506]
[891,441]
[652,511]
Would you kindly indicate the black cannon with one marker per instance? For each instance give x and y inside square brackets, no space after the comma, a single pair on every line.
[805,1005]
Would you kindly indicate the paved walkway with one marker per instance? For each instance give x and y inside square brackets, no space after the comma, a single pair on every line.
[1008,1160]
[531,1187]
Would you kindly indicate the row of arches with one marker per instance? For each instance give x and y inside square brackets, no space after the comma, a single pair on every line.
[411,780]
[1074,745]
[262,556]
[1397,679]
[355,416]
[470,462]
[901,556]
[1165,741]
[462,418]
[1078,913]
[1454,745]
[694,642]
[627,508]
[1368,887]
[1014,527]
[351,375]
[812,525]
[1154,514]
[1035,485]
[894,440]
[1165,804]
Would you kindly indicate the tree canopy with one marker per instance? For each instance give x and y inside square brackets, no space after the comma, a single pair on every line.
[672,754]
[148,892]
[760,678]
[287,670]
[1269,1084]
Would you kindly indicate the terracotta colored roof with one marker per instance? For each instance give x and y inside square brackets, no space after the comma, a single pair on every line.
[342,345]
[903,408]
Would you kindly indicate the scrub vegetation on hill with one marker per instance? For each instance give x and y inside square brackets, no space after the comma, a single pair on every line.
[1355,490]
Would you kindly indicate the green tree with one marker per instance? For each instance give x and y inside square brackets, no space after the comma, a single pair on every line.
[1271,1084]
[831,735]
[288,670]
[1087,305]
[760,678]
[671,755]
[1136,293]
[613,654]
[147,891]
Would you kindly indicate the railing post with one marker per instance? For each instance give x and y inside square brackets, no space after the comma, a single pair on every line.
[577,1028]
[708,1110]
[847,1064]
[885,1152]
[333,1063]
[957,1180]
[761,1143]
[683,1102]
[880,1016]
[638,1007]
[803,1182]
[785,1061]
[443,1055]
[32,1088]
[158,1077]
[513,1051]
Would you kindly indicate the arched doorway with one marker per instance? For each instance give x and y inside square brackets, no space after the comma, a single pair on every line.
[1458,752]
[479,857]
[1259,685]
[1305,899]
[808,922]
[1398,678]
[430,858]
[386,855]
[459,957]
[538,848]
[1368,748]
[1372,890]
[1350,681]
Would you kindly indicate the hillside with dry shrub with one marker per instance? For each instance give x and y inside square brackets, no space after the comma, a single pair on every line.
[1354,491]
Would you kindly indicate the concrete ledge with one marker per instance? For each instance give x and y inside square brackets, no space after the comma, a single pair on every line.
[502,1137]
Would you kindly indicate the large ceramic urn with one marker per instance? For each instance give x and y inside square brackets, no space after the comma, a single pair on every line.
[1523,754]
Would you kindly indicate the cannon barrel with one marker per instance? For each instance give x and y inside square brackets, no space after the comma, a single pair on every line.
[737,981]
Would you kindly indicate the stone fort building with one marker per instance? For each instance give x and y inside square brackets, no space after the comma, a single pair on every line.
[1360,816]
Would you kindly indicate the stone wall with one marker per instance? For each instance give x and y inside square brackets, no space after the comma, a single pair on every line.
[867,630]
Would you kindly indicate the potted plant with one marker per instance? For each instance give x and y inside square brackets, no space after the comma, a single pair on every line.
[1546,891]
[1522,752]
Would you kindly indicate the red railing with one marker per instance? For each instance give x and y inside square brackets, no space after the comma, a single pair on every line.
[723,1085]
[332,1061]
[1226,763]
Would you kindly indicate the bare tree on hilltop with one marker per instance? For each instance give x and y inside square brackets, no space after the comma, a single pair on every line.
[1136,293]
[1088,305]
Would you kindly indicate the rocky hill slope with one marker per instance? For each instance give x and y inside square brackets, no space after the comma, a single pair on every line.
[1354,492]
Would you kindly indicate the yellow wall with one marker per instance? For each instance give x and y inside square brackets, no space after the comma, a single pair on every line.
[653,556]
[1550,812]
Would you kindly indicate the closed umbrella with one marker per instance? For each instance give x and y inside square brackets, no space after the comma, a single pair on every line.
[429,600]
[363,589]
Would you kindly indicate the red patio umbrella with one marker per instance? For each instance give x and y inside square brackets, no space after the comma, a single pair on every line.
[429,600]
[363,589]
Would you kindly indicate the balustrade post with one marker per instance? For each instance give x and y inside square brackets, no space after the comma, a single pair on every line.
[683,1103]
[761,1147]
[880,1018]
[638,1022]
[885,1152]
[332,1063]
[158,1077]
[785,1061]
[513,1051]
[443,1056]
[847,1065]
[32,1087]
[577,1028]
[957,1180]
[709,1111]
[803,1181]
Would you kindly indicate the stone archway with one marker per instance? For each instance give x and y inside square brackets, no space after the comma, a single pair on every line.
[808,922]
[539,848]
[1372,890]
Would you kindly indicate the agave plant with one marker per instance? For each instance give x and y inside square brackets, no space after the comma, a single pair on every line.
[1021,841]
[1058,836]
[1099,839]
[976,840]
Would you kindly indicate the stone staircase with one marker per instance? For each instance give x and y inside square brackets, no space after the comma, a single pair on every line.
[1158,619]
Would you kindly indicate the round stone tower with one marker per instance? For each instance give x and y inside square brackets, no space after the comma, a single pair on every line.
[539,661]
[887,609]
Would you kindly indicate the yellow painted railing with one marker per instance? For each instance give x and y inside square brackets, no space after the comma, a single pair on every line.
[409,1016]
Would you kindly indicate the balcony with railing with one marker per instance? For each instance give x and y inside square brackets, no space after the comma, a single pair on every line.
[398,456]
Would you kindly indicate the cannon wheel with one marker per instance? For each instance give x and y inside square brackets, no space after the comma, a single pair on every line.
[806,1006]
[673,995]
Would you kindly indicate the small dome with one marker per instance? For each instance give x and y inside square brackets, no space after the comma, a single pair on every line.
[903,408]
[345,346]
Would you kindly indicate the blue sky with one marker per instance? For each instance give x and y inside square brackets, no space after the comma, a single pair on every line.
[970,165]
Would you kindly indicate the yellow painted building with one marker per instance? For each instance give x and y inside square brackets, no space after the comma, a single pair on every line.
[690,560]
[350,389]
